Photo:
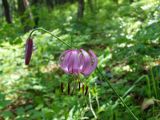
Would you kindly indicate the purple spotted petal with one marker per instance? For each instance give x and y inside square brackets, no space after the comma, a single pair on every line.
[78,61]
[81,62]
[70,62]
[64,58]
[28,51]
[73,65]
[86,58]
[92,65]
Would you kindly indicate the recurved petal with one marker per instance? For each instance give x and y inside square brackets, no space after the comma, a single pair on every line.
[81,62]
[93,64]
[74,62]
[86,59]
[64,60]
[28,51]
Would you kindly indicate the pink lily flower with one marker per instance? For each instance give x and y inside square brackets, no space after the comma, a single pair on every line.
[78,61]
[28,51]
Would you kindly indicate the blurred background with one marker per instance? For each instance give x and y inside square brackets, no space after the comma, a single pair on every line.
[124,34]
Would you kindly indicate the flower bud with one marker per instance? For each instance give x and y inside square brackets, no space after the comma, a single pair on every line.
[28,50]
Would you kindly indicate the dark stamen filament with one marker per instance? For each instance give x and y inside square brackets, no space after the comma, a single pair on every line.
[86,91]
[68,88]
[62,87]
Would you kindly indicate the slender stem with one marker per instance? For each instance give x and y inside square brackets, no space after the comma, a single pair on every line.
[117,95]
[90,103]
[50,34]
[97,99]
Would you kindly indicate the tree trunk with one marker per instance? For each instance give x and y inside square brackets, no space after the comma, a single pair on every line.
[50,3]
[7,11]
[80,9]
[131,1]
[27,18]
[90,4]
[116,1]
[71,1]
[36,3]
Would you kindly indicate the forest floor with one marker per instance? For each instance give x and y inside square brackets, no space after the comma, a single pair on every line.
[125,37]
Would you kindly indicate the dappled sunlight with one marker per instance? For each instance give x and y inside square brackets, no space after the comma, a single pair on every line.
[122,36]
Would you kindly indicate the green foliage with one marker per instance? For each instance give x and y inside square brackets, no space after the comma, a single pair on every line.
[125,37]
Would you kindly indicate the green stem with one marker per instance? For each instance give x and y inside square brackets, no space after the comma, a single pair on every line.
[117,95]
[50,34]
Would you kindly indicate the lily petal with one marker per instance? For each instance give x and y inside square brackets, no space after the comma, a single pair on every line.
[64,58]
[73,65]
[78,61]
[86,58]
[93,64]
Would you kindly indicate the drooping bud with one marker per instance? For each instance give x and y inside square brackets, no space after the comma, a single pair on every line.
[28,50]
